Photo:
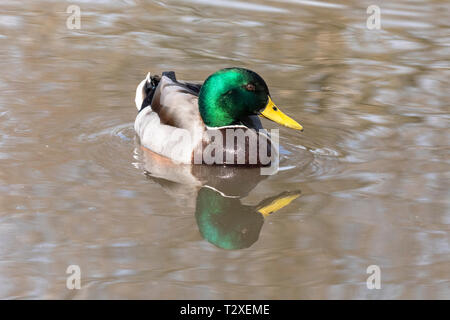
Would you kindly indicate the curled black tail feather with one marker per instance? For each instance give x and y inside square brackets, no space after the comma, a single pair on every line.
[150,88]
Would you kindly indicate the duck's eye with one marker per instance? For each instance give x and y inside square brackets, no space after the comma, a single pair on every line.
[250,87]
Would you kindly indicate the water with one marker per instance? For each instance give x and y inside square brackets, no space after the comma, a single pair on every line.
[371,167]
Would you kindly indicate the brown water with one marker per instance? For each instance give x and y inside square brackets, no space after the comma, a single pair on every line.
[372,165]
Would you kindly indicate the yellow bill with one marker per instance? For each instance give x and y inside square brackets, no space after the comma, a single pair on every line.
[272,112]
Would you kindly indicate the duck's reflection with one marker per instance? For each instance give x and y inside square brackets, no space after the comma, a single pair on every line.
[222,218]
[227,223]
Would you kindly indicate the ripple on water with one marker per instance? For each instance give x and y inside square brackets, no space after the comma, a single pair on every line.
[308,162]
[111,147]
[240,5]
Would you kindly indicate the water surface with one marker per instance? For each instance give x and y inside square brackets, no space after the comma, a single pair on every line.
[371,167]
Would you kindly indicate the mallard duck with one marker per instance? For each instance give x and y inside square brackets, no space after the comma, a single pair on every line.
[181,120]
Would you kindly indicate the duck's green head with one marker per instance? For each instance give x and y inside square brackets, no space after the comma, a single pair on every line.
[229,95]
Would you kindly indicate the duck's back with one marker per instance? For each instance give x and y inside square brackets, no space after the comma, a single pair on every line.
[169,121]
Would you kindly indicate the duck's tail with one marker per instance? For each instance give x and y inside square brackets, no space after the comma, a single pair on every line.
[145,91]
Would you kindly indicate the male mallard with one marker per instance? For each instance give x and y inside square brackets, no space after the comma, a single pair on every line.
[175,115]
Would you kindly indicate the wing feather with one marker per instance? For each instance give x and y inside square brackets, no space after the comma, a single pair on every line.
[172,125]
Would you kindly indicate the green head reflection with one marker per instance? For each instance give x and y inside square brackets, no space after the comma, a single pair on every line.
[228,224]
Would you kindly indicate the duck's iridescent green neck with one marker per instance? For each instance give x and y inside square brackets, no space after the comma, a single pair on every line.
[225,96]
